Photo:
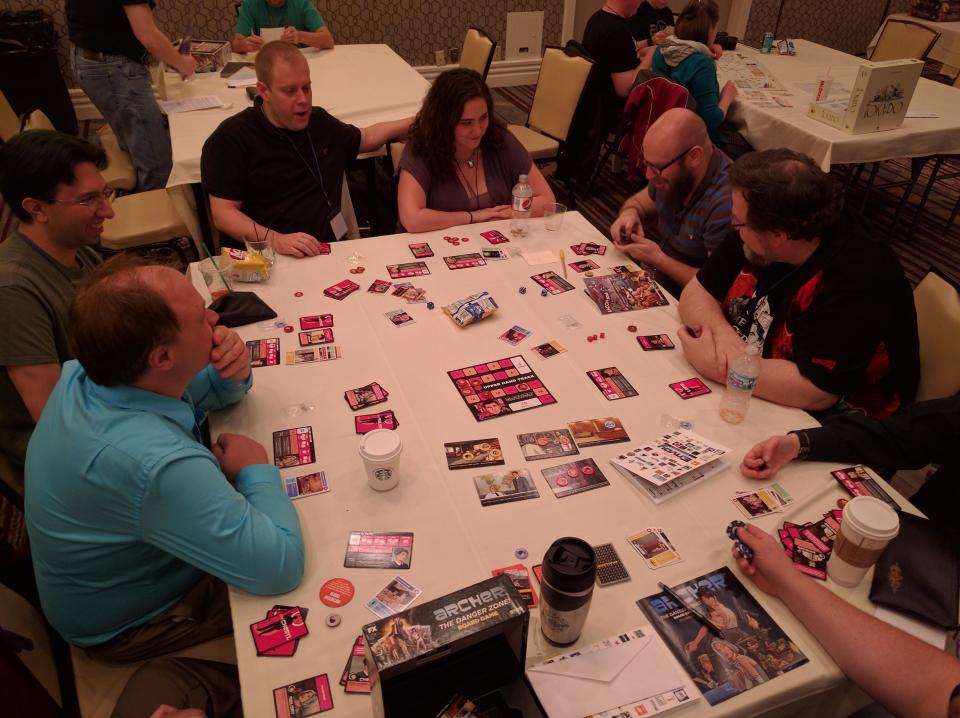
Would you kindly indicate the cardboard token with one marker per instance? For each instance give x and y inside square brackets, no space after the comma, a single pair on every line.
[336,592]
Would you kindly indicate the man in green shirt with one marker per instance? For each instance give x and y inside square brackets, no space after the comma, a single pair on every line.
[300,20]
[53,185]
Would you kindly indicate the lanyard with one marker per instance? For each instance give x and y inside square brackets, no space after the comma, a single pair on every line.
[314,169]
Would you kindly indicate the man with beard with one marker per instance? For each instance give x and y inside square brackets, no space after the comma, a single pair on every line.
[685,206]
[831,311]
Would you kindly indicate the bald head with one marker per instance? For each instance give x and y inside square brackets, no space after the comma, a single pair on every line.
[676,130]
[272,53]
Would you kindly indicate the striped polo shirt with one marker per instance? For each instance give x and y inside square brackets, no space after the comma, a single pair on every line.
[690,234]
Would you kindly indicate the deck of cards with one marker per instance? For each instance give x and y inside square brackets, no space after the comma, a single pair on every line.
[809,545]
[279,633]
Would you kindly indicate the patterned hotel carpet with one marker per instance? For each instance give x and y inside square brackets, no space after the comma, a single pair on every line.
[928,245]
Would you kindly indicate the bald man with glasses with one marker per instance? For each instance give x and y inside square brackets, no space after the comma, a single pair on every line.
[53,185]
[682,215]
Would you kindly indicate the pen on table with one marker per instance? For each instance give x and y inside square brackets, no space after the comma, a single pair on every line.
[699,616]
[563,263]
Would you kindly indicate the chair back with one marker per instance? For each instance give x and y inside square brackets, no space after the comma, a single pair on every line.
[937,300]
[477,51]
[651,96]
[9,122]
[904,40]
[563,77]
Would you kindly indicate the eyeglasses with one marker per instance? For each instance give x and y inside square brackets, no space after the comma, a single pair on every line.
[659,170]
[93,202]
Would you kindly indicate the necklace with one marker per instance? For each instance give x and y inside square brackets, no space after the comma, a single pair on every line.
[475,187]
[611,10]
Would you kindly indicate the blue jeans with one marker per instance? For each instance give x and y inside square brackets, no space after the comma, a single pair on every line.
[120,88]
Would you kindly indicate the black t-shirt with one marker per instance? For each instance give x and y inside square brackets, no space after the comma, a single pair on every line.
[102,25]
[608,39]
[845,317]
[648,21]
[273,172]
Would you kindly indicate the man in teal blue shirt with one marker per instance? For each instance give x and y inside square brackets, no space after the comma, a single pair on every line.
[301,22]
[135,524]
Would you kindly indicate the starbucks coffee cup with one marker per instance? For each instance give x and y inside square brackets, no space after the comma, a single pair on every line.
[380,450]
[569,570]
[867,527]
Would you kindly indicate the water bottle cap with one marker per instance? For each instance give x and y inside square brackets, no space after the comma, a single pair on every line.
[753,349]
[523,178]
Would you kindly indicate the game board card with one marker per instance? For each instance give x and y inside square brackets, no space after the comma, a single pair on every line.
[463,261]
[293,447]
[379,286]
[399,318]
[494,253]
[324,248]
[396,596]
[552,282]
[610,568]
[328,352]
[380,420]
[594,248]
[857,482]
[316,321]
[654,548]
[379,549]
[611,383]
[651,342]
[549,349]
[497,388]
[264,352]
[574,478]
[520,579]
[273,631]
[341,290]
[515,334]
[494,237]
[303,698]
[284,649]
[356,674]
[365,396]
[505,487]
[755,504]
[317,336]
[307,485]
[594,432]
[689,388]
[584,265]
[578,249]
[547,444]
[407,269]
[421,250]
[473,454]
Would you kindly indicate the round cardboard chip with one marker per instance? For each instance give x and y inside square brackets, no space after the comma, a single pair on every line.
[336,592]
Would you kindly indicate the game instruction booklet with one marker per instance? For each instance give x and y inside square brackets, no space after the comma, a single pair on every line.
[670,457]
[753,650]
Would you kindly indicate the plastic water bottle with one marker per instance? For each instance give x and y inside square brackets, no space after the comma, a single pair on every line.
[522,205]
[741,381]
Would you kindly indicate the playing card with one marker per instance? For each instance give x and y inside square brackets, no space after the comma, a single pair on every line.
[379,286]
[611,383]
[273,631]
[610,568]
[316,321]
[690,388]
[407,269]
[654,548]
[365,396]
[381,420]
[520,579]
[306,485]
[293,447]
[314,354]
[393,598]
[515,334]
[379,549]
[303,698]
[494,237]
[421,250]
[505,487]
[649,342]
[547,444]
[399,318]
[549,349]
[574,478]
[755,504]
[808,559]
[341,290]
[584,265]
[593,432]
[473,454]
[317,336]
[264,352]
[463,261]
[552,282]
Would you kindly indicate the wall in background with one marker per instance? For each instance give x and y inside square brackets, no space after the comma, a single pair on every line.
[415,29]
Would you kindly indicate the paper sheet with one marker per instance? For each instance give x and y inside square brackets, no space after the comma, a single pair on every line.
[189,104]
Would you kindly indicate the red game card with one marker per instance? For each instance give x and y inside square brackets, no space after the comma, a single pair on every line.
[650,342]
[341,290]
[316,321]
[317,336]
[303,698]
[264,352]
[293,447]
[690,388]
[381,420]
[520,579]
[421,250]
[584,265]
[463,261]
[274,631]
[494,237]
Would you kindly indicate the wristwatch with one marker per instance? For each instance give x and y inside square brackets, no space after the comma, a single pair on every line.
[804,444]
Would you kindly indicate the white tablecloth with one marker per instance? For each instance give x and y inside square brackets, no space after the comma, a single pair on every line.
[358,84]
[947,49]
[767,128]
[458,542]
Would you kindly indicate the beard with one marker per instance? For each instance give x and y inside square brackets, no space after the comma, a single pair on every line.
[674,194]
[757,260]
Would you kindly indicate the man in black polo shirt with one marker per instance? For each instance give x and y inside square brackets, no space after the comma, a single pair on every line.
[277,168]
[112,42]
[649,24]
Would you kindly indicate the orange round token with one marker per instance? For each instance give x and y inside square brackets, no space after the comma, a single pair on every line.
[336,592]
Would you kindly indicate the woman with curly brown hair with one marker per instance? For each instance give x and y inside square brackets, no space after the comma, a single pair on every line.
[461,163]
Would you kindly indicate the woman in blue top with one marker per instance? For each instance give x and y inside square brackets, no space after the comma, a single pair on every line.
[688,58]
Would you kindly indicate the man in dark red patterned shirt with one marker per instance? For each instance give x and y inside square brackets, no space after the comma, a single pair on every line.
[832,311]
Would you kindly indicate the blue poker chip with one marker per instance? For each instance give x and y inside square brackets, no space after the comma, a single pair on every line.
[430,305]
[743,550]
[521,553]
[523,290]
[543,292]
[732,529]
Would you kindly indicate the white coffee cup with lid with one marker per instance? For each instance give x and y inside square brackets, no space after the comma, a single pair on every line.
[380,450]
[867,527]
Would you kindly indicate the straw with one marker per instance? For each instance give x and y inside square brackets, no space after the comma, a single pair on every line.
[216,266]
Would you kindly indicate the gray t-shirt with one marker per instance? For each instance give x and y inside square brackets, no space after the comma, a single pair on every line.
[446,193]
[35,296]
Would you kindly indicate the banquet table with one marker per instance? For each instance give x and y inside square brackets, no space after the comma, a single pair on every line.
[457,541]
[772,127]
[357,84]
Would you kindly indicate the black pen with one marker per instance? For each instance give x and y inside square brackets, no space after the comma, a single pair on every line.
[700,617]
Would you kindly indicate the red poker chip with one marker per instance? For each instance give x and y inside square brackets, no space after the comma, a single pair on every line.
[632,328]
[561,481]
[288,328]
[298,294]
[573,472]
[336,592]
[587,470]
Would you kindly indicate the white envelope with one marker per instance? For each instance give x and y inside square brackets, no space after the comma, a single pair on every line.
[270,34]
[605,677]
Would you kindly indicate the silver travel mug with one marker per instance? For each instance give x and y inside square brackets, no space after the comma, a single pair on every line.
[569,570]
